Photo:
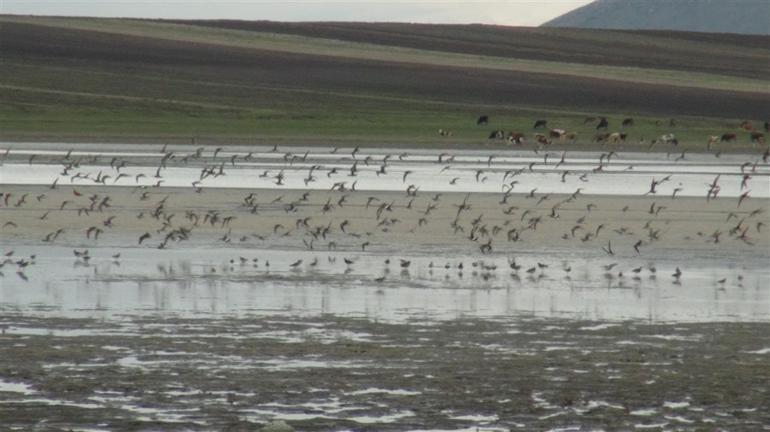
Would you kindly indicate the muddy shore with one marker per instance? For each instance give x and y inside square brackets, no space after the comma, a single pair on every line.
[333,373]
[408,223]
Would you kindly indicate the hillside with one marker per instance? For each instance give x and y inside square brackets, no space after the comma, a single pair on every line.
[143,80]
[725,54]
[715,16]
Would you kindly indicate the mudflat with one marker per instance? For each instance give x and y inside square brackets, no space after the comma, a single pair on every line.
[378,221]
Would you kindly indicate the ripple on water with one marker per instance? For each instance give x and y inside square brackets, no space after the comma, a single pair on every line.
[374,390]
[676,405]
[645,412]
[477,418]
[16,387]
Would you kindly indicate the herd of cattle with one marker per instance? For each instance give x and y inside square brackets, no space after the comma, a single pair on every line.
[546,135]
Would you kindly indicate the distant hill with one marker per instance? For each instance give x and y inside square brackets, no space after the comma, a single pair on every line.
[713,16]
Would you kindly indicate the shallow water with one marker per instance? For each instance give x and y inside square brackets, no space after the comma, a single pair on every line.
[468,171]
[204,281]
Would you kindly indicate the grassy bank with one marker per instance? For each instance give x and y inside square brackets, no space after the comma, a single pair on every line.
[133,80]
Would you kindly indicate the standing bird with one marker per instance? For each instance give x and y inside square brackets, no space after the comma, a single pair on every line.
[677,274]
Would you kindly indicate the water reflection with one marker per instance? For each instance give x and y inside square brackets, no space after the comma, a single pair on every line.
[190,282]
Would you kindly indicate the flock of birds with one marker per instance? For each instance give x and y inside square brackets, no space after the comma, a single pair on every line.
[483,270]
[316,224]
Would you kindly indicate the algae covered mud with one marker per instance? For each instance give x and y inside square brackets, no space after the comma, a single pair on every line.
[335,373]
[468,291]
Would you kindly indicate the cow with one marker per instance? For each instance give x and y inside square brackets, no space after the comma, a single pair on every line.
[616,137]
[482,120]
[601,137]
[747,126]
[539,124]
[628,122]
[757,138]
[713,139]
[728,137]
[556,133]
[541,139]
[603,123]
[516,138]
[589,120]
[497,134]
[669,139]
[767,127]
[571,136]
[445,132]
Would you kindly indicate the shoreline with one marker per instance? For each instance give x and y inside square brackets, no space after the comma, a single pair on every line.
[437,144]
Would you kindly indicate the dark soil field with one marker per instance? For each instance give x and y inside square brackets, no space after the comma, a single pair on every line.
[334,74]
[724,54]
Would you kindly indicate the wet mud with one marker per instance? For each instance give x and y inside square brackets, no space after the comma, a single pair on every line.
[335,373]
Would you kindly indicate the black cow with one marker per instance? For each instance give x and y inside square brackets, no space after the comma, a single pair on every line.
[603,124]
[482,120]
[540,124]
[628,122]
[497,134]
[767,126]
[728,137]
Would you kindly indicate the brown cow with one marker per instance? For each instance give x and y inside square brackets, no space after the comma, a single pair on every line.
[616,137]
[757,138]
[601,137]
[556,133]
[747,126]
[571,136]
[728,137]
[541,139]
[516,138]
[713,139]
[628,122]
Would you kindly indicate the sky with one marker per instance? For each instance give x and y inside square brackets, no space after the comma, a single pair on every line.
[510,12]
